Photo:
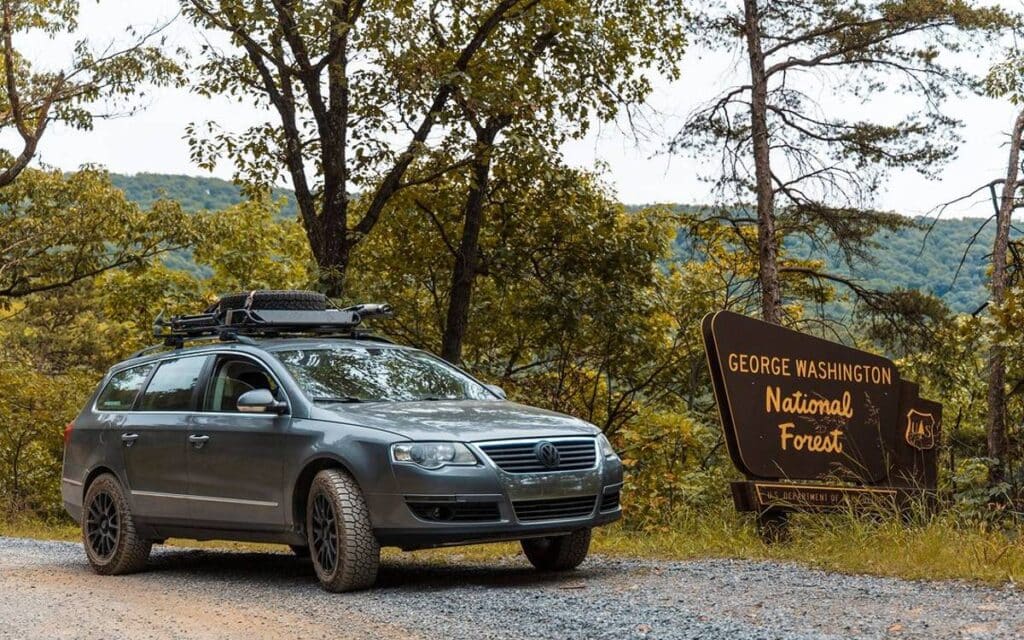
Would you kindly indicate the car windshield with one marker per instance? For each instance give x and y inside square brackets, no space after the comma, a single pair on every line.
[368,374]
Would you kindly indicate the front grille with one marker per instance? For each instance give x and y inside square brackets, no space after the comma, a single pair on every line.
[456,511]
[610,501]
[556,509]
[520,457]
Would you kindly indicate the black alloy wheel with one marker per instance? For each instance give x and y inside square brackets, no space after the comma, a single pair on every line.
[325,533]
[103,525]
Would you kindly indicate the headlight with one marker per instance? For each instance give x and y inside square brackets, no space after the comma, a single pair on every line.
[606,447]
[433,455]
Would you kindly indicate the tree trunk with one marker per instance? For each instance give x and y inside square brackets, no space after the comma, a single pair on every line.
[467,258]
[768,258]
[336,247]
[332,267]
[995,424]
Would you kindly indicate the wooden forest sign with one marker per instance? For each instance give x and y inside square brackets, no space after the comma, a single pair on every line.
[799,411]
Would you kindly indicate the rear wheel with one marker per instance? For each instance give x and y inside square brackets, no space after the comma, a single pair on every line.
[558,553]
[344,550]
[108,530]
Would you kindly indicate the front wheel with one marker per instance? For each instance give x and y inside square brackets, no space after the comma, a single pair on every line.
[558,553]
[344,550]
[108,530]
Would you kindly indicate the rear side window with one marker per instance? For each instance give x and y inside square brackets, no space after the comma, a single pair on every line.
[123,387]
[172,385]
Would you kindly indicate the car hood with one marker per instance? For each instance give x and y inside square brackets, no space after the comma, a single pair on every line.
[461,420]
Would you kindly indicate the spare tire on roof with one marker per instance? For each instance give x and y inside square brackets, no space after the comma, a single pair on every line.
[268,299]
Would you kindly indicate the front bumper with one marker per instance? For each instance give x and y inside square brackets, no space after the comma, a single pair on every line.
[399,518]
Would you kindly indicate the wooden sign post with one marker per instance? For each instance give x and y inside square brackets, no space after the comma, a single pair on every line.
[815,425]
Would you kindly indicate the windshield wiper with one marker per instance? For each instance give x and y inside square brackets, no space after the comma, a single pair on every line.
[433,399]
[337,399]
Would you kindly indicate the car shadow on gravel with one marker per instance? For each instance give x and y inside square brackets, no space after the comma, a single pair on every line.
[202,563]
[419,576]
[282,568]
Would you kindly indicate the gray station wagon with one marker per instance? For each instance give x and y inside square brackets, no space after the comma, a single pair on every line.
[272,418]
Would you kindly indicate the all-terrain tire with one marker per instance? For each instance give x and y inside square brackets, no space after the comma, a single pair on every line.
[558,553]
[344,551]
[127,552]
[283,300]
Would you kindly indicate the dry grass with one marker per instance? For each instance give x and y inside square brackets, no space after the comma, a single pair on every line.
[938,548]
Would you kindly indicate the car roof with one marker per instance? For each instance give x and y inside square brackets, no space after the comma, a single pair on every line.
[257,345]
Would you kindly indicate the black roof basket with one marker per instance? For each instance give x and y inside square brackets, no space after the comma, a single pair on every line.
[239,324]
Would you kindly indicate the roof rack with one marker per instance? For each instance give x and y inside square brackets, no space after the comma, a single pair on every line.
[241,325]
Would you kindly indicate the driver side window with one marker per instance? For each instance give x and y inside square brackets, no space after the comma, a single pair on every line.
[232,377]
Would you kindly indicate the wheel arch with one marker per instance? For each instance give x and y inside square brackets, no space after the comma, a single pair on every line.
[96,472]
[303,482]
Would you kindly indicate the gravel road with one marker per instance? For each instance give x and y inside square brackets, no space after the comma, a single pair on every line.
[48,591]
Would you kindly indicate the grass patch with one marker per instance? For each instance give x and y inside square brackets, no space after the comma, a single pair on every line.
[938,548]
[28,527]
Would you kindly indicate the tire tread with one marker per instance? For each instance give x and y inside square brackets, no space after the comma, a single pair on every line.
[560,553]
[286,300]
[359,551]
[132,551]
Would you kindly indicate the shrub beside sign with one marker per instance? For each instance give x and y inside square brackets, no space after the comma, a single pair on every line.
[799,408]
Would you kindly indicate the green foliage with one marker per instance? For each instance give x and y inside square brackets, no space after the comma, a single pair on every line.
[976,496]
[57,341]
[86,226]
[248,246]
[36,406]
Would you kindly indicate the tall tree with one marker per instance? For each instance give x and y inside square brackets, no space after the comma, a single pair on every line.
[995,423]
[565,66]
[31,99]
[353,107]
[815,168]
[1006,81]
[580,310]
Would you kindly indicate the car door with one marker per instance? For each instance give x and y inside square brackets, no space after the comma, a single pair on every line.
[154,440]
[235,459]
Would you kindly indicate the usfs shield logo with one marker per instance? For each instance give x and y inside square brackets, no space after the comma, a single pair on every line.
[920,430]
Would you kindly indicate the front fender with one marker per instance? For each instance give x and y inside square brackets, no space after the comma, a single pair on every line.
[362,452]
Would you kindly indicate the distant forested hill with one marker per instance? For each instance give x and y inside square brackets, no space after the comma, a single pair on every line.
[193,192]
[901,259]
[908,258]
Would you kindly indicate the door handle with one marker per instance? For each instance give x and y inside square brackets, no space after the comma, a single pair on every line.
[129,438]
[198,441]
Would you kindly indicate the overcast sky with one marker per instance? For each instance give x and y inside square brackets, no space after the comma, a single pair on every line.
[151,139]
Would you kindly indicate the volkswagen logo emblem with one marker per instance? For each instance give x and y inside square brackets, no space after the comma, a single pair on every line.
[547,454]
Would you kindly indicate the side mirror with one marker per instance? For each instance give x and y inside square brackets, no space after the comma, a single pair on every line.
[260,401]
[496,390]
